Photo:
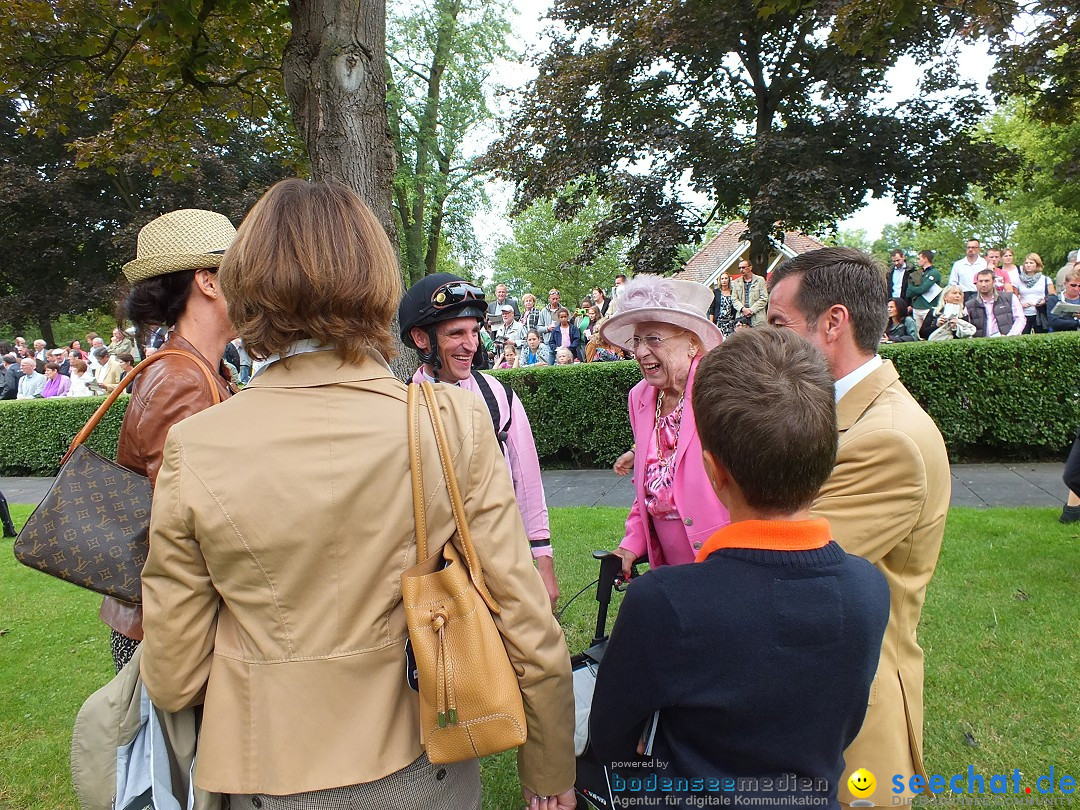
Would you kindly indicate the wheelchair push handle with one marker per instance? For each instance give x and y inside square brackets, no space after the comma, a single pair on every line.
[610,580]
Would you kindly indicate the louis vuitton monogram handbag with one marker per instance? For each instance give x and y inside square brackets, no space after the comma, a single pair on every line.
[92,527]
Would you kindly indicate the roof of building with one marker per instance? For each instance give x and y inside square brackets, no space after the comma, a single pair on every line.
[728,244]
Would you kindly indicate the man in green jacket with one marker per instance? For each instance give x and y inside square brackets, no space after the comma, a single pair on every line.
[924,291]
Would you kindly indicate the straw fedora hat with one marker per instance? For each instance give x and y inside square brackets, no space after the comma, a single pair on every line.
[656,299]
[188,239]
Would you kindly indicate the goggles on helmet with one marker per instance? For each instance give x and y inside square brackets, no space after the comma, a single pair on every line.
[454,293]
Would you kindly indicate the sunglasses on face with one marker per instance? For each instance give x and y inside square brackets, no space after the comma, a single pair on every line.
[455,292]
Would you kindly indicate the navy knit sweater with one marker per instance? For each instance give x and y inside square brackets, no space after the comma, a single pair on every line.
[760,662]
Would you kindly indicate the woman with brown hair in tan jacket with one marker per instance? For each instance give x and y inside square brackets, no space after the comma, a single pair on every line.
[272,591]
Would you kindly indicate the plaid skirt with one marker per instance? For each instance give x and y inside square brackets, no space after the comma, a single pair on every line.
[419,786]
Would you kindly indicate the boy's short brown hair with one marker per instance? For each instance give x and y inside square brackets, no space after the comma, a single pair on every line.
[310,260]
[765,407]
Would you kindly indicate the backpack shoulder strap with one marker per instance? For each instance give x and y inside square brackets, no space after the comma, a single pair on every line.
[493,405]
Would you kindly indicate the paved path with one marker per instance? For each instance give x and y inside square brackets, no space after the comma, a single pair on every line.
[978,485]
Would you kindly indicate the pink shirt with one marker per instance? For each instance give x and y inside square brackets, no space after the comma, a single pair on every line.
[523,464]
[1019,319]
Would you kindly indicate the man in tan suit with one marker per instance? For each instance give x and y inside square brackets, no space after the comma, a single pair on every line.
[888,495]
[749,294]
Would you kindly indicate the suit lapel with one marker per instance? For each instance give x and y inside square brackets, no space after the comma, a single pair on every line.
[855,402]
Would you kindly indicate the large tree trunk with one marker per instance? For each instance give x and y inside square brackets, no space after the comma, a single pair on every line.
[335,77]
[45,327]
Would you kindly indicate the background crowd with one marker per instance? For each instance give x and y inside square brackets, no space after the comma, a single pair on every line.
[983,294]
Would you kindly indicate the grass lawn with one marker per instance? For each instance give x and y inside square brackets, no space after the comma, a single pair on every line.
[999,629]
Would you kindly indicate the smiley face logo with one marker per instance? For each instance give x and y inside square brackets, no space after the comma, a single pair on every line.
[862,783]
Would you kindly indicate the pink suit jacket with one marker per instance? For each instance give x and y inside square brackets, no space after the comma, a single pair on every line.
[697,504]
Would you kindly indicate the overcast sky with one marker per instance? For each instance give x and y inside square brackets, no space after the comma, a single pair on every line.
[527,25]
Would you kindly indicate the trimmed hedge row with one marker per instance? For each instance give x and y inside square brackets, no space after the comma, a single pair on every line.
[35,433]
[1007,398]
[1010,398]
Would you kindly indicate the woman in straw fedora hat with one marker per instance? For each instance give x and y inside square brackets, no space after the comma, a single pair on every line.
[663,322]
[173,283]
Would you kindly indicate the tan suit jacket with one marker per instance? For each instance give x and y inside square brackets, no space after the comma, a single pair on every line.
[886,501]
[759,298]
[273,588]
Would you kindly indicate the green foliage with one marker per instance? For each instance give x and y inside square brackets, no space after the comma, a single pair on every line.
[1044,67]
[751,104]
[1008,397]
[67,328]
[970,387]
[441,56]
[547,251]
[999,619]
[162,77]
[851,237]
[37,432]
[578,413]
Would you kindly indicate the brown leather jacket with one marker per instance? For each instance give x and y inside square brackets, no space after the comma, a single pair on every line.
[170,390]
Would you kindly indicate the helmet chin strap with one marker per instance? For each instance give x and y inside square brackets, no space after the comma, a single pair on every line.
[431,356]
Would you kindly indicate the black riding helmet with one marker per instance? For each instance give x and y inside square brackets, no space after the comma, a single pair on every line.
[436,298]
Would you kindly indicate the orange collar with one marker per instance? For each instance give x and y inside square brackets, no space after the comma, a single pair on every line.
[774,535]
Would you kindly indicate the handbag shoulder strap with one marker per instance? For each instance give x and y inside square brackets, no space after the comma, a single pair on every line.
[472,561]
[115,394]
[419,513]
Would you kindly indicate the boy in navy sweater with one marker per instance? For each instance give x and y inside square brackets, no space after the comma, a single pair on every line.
[756,660]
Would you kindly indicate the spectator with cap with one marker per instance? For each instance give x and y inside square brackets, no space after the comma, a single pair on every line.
[508,330]
[440,316]
[32,382]
[63,362]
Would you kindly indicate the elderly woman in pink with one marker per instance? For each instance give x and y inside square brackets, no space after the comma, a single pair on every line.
[663,322]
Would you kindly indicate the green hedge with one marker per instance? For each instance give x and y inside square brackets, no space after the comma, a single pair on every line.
[1009,398]
[36,432]
[1005,398]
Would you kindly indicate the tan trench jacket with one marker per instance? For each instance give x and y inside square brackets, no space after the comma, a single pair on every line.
[886,501]
[282,521]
